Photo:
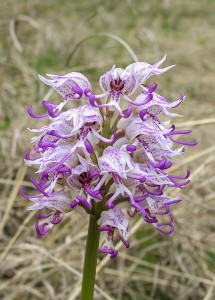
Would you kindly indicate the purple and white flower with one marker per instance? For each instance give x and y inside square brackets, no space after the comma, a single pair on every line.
[100,155]
[84,178]
[113,221]
[71,86]
[122,83]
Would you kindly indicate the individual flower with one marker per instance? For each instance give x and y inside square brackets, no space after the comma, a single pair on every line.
[58,202]
[118,164]
[71,86]
[113,221]
[152,139]
[84,178]
[122,83]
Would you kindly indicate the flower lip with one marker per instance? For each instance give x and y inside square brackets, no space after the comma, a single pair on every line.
[57,218]
[149,218]
[44,223]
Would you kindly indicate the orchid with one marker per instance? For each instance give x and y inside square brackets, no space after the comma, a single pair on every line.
[70,86]
[113,220]
[122,83]
[110,162]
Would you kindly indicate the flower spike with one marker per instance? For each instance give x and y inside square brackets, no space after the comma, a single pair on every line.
[111,150]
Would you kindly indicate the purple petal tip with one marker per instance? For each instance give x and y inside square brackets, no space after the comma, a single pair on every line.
[131,148]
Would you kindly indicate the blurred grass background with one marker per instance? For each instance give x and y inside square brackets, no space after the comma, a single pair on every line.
[60,36]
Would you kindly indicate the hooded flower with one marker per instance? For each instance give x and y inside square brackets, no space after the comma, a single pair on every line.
[113,221]
[58,202]
[142,70]
[151,138]
[70,86]
[122,83]
[84,178]
[118,164]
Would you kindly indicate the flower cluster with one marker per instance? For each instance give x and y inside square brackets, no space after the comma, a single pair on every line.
[109,148]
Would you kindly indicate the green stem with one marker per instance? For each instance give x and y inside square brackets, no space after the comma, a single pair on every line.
[90,260]
[92,247]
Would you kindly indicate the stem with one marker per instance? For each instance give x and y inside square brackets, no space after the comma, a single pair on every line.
[106,128]
[105,131]
[92,247]
[91,254]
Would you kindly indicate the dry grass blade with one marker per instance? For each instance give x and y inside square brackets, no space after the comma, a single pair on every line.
[14,182]
[122,42]
[61,263]
[16,236]
[52,257]
[143,278]
[194,157]
[167,270]
[209,295]
[196,123]
[14,36]
[12,197]
[113,36]
[30,20]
